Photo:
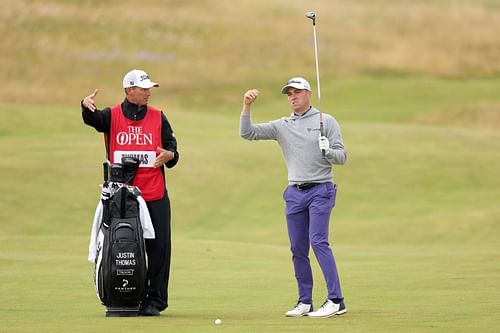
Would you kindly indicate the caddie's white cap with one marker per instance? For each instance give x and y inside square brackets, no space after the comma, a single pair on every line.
[138,78]
[297,83]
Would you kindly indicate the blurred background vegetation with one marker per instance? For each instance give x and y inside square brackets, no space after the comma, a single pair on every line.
[205,52]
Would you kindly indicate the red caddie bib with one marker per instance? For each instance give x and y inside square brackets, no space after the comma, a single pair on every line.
[139,139]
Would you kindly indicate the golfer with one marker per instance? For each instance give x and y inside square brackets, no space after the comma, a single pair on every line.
[310,195]
[135,128]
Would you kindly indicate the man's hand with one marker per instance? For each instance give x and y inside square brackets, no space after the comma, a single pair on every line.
[163,157]
[324,144]
[88,101]
[250,96]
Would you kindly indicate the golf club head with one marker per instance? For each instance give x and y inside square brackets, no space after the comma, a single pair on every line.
[312,16]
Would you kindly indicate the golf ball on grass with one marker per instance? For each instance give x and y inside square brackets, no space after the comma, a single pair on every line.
[218,321]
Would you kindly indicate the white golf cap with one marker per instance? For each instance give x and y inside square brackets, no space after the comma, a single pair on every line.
[138,78]
[297,83]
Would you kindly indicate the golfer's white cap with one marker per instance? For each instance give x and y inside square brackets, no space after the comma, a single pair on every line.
[297,83]
[138,78]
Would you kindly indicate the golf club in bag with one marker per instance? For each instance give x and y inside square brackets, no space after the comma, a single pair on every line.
[312,16]
[120,259]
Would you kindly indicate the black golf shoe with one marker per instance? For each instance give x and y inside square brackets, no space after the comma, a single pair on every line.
[149,310]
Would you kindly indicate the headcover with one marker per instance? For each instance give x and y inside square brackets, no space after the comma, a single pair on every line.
[125,171]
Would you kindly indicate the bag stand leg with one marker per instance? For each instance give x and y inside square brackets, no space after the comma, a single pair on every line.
[122,311]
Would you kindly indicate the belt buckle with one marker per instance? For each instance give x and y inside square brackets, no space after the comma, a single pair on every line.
[302,186]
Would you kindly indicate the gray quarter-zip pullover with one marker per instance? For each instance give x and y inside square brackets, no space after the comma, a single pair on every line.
[298,138]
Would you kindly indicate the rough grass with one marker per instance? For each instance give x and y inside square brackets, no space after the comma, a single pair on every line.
[201,52]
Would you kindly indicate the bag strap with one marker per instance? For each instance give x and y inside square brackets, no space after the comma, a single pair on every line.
[123,198]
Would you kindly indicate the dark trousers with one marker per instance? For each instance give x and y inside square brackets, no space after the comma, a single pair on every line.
[159,252]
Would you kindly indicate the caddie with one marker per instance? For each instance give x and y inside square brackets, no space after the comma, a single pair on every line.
[134,128]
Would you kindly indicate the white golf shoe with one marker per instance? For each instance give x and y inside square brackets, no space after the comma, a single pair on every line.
[299,310]
[329,309]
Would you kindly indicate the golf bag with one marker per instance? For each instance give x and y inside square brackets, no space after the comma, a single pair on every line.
[120,261]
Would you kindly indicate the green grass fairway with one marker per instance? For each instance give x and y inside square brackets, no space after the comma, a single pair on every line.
[415,230]
[46,287]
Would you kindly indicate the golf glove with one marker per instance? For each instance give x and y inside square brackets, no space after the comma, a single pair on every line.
[324,144]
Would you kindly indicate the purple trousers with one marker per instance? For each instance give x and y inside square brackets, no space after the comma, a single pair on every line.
[308,217]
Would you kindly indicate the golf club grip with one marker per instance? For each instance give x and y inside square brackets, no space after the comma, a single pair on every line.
[105,170]
[321,131]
